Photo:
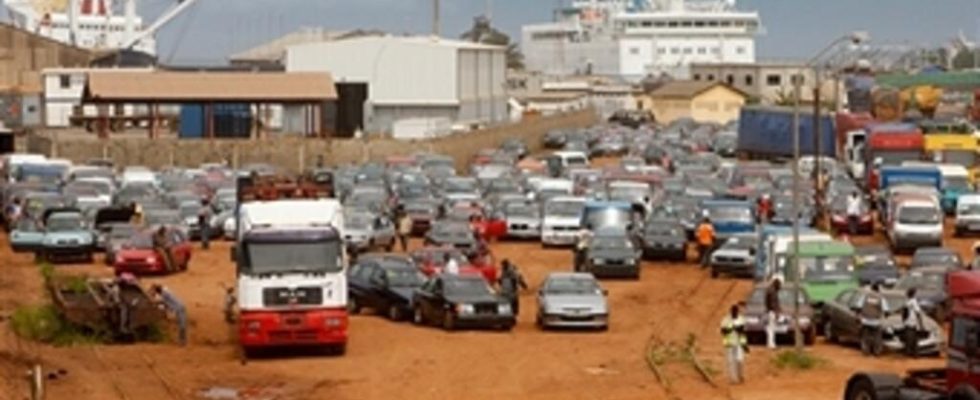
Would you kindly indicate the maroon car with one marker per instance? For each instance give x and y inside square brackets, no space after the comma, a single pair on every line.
[838,217]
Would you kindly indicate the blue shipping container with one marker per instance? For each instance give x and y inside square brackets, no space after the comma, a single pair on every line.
[191,121]
[232,120]
[768,132]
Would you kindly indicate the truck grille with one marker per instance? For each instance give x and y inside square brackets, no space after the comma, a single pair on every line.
[287,296]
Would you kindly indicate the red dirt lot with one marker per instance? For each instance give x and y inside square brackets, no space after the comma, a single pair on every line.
[398,360]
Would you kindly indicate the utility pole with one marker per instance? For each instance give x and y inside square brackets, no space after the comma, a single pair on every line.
[795,259]
[435,18]
[817,142]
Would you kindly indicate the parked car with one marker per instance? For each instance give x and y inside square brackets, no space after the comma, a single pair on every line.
[611,254]
[664,238]
[26,236]
[839,219]
[523,220]
[455,301]
[572,300]
[455,234]
[431,261]
[106,218]
[66,236]
[842,321]
[915,221]
[116,235]
[930,287]
[936,257]
[756,316]
[968,214]
[875,264]
[735,257]
[137,256]
[384,283]
[365,230]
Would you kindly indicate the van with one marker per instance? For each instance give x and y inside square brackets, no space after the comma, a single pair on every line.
[780,247]
[10,162]
[915,221]
[968,214]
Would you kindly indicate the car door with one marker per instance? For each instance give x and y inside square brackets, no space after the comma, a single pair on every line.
[852,321]
[180,247]
[378,287]
[434,300]
[358,283]
[834,310]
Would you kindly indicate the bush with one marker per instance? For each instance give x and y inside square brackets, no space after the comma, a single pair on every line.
[797,360]
[43,324]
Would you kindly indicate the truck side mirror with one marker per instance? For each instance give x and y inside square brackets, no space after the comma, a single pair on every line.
[971,342]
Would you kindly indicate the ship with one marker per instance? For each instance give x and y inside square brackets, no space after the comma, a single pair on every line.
[99,25]
[635,39]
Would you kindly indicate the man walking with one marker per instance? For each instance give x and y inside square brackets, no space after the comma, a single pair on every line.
[853,212]
[161,243]
[174,306]
[913,323]
[872,313]
[773,312]
[404,229]
[581,247]
[705,234]
[736,345]
[510,282]
[204,224]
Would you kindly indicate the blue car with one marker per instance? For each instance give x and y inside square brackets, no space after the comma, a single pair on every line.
[729,217]
[66,235]
[26,237]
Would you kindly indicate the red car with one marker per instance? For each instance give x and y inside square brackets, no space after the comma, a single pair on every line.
[431,261]
[492,228]
[838,217]
[137,256]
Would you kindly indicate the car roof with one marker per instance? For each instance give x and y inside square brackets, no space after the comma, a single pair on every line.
[934,250]
[567,275]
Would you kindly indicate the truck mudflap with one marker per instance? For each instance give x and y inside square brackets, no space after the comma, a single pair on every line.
[293,328]
[873,386]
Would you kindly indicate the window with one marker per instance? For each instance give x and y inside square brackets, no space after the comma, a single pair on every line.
[711,78]
[713,23]
[686,24]
[774,80]
[647,24]
[702,50]
[749,80]
[672,24]
[798,79]
[716,50]
[740,50]
[675,50]
[697,77]
[64,81]
[634,50]
[730,79]
[726,24]
[688,50]
[699,24]
[660,24]
[661,50]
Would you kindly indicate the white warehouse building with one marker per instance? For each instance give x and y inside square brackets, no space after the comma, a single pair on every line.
[413,77]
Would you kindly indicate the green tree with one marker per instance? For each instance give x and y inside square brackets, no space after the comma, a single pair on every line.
[483,32]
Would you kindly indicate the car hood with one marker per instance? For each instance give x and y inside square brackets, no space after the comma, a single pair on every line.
[663,239]
[489,298]
[611,254]
[68,235]
[590,301]
[135,253]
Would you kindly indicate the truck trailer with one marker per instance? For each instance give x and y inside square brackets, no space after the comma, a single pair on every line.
[767,133]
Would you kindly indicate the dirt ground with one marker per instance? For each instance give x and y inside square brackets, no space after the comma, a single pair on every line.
[398,360]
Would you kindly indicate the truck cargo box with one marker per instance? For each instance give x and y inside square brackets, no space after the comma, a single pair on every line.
[767,132]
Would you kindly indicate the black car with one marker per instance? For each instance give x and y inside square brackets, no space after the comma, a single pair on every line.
[936,257]
[611,254]
[664,238]
[875,264]
[384,283]
[930,290]
[455,301]
[554,139]
[455,234]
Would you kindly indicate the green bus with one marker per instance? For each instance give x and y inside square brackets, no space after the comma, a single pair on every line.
[826,269]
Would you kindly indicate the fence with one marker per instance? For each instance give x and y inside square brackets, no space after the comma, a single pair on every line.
[293,153]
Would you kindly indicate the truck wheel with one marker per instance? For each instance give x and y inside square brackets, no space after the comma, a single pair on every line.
[861,389]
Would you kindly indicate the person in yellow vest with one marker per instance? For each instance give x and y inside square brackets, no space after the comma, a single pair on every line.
[736,344]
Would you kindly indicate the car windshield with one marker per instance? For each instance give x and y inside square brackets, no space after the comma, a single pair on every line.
[785,297]
[265,258]
[142,241]
[358,222]
[628,192]
[956,183]
[564,208]
[164,218]
[922,280]
[467,287]
[403,277]
[815,266]
[665,230]
[64,223]
[575,161]
[122,232]
[918,215]
[26,225]
[189,210]
[935,259]
[969,209]
[460,186]
[572,286]
[611,243]
[522,210]
[730,214]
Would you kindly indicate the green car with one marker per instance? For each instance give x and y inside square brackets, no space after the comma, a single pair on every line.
[826,270]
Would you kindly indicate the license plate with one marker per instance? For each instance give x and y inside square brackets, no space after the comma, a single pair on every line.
[974,227]
[293,320]
[782,329]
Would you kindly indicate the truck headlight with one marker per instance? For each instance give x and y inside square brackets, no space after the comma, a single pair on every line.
[464,308]
[504,308]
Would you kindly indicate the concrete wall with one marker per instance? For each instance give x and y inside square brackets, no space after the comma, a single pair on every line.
[291,153]
[23,55]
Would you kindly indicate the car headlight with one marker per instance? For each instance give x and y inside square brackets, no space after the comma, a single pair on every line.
[332,322]
[503,308]
[630,261]
[464,309]
[598,261]
[151,259]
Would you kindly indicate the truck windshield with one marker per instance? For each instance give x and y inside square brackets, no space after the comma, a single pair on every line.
[267,258]
[818,266]
[956,183]
[896,157]
[918,215]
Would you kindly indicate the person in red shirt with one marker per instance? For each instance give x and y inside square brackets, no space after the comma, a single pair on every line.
[764,208]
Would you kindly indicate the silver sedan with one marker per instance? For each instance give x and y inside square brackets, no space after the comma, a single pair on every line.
[572,300]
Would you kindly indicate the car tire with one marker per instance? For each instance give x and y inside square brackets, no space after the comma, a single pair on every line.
[352,307]
[714,273]
[394,313]
[417,317]
[861,389]
[828,332]
[448,321]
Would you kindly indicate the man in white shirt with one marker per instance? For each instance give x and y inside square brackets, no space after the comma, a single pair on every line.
[853,212]
[452,267]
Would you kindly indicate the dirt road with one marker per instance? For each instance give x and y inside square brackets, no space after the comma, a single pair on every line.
[398,360]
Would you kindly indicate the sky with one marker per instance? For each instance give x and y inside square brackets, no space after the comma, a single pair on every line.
[213,29]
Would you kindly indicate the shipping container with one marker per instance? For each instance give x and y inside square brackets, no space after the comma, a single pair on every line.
[232,120]
[767,132]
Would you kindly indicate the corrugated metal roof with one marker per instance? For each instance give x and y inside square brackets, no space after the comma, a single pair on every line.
[421,40]
[687,89]
[210,86]
[958,79]
[275,50]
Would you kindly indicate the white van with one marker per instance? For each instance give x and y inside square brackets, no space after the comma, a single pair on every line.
[915,221]
[572,159]
[968,214]
[548,188]
[10,162]
[561,220]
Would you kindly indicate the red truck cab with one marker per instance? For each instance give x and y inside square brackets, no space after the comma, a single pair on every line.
[891,144]
[961,377]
